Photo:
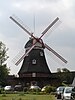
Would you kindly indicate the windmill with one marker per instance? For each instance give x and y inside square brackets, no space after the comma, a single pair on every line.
[34,63]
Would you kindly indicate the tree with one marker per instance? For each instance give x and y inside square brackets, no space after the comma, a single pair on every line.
[3,55]
[65,75]
[4,71]
[65,70]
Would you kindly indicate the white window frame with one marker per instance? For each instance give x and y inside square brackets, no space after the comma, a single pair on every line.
[41,53]
[34,61]
[33,74]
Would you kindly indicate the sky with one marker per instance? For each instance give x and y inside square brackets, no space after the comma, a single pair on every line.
[37,15]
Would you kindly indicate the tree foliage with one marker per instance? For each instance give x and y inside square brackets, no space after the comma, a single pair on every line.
[59,70]
[65,75]
[4,71]
[65,70]
[3,55]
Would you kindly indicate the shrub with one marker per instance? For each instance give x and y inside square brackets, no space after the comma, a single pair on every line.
[25,89]
[48,89]
[1,90]
[4,95]
[34,90]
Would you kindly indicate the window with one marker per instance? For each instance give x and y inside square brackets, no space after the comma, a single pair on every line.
[33,74]
[41,53]
[34,61]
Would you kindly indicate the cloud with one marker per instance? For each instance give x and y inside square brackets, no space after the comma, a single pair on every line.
[45,11]
[43,5]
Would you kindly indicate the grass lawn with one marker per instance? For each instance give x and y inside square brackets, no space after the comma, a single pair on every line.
[26,97]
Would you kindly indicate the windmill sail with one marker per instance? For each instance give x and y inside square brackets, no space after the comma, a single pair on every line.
[50,26]
[20,24]
[55,53]
[37,39]
[25,54]
[18,56]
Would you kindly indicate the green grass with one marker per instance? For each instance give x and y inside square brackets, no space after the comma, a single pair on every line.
[26,97]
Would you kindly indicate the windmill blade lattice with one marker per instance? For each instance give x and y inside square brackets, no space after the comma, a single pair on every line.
[38,39]
[21,25]
[55,53]
[18,56]
[22,57]
[50,26]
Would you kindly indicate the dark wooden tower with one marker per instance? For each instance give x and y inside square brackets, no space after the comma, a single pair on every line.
[34,69]
[34,62]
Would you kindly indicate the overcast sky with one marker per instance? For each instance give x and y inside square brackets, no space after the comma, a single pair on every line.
[62,39]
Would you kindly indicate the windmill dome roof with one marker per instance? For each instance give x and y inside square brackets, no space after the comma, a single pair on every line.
[29,43]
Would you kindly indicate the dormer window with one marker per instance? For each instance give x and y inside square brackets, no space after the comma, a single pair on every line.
[41,53]
[34,61]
